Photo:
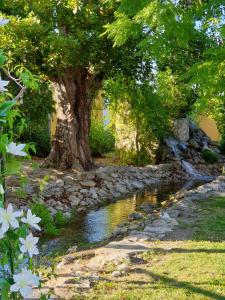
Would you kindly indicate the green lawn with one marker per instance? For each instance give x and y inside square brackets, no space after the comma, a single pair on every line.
[179,270]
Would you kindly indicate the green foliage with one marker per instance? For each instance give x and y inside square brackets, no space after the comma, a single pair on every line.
[101,139]
[50,225]
[39,135]
[185,39]
[131,157]
[222,144]
[47,222]
[60,219]
[209,156]
[37,128]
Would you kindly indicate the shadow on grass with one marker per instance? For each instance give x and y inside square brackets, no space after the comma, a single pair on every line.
[182,250]
[180,285]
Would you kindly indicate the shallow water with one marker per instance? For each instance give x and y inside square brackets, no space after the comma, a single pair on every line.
[98,225]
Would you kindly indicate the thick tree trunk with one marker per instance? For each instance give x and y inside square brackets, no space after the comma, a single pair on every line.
[70,146]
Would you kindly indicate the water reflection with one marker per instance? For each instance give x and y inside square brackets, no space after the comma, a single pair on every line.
[98,225]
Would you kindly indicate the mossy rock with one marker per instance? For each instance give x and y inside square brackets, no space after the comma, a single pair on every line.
[209,156]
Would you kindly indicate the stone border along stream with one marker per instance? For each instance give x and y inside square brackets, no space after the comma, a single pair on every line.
[74,274]
[88,190]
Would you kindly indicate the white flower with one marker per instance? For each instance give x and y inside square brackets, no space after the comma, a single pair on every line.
[29,245]
[8,218]
[16,149]
[23,283]
[32,220]
[3,84]
[2,192]
[4,22]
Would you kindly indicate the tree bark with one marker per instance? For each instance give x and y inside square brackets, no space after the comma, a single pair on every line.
[70,146]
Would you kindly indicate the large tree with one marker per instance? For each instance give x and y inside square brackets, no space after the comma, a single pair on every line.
[185,36]
[62,40]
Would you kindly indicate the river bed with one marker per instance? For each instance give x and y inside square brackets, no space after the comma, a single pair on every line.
[97,225]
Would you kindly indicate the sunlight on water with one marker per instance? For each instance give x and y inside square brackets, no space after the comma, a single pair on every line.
[98,225]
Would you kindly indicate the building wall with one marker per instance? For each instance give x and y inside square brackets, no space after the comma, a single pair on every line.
[209,126]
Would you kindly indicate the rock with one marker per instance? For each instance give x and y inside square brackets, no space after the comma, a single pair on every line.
[74,201]
[93,193]
[135,216]
[67,215]
[63,293]
[89,183]
[135,227]
[120,231]
[193,143]
[59,183]
[117,274]
[124,268]
[137,184]
[84,191]
[147,207]
[94,278]
[85,285]
[181,129]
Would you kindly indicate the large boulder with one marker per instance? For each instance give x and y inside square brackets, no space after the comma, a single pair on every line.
[181,129]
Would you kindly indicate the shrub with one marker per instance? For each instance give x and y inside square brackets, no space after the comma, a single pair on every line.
[131,157]
[40,136]
[47,222]
[209,156]
[101,139]
[222,144]
[60,220]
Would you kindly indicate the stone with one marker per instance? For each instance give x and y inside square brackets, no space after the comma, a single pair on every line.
[67,214]
[89,183]
[84,191]
[193,143]
[94,278]
[135,227]
[137,184]
[181,129]
[85,285]
[119,231]
[74,201]
[147,207]
[135,216]
[117,274]
[59,183]
[124,268]
[63,293]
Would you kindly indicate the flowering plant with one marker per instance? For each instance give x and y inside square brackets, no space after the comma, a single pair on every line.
[17,248]
[17,243]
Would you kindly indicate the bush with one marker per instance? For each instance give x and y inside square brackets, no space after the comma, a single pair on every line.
[60,220]
[209,156]
[131,157]
[40,136]
[47,222]
[101,139]
[222,144]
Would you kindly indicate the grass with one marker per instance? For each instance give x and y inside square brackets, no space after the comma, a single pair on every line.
[177,270]
[211,222]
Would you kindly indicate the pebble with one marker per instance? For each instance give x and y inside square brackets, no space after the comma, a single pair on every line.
[116,274]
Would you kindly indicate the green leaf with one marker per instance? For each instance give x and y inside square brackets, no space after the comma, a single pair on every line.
[13,167]
[5,107]
[3,281]
[4,287]
[2,58]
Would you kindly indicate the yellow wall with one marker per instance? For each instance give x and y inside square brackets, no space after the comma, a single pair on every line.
[97,108]
[209,126]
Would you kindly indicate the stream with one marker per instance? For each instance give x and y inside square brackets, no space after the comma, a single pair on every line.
[86,230]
